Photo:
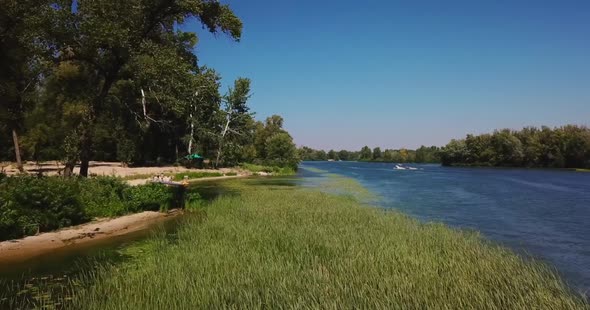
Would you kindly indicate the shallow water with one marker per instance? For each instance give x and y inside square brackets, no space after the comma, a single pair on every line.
[545,213]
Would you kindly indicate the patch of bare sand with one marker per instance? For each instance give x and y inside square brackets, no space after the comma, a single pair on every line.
[17,250]
[112,169]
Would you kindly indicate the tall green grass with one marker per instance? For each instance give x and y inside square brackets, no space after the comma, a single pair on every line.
[305,249]
[195,175]
[274,170]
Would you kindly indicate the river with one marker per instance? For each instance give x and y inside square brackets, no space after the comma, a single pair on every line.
[545,213]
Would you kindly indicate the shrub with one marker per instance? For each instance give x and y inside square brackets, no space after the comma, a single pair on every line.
[275,170]
[103,196]
[153,197]
[29,205]
[193,201]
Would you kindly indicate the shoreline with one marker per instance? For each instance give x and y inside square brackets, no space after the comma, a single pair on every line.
[12,251]
[137,182]
[15,250]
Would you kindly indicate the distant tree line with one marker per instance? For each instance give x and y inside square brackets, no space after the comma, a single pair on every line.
[423,154]
[561,147]
[119,81]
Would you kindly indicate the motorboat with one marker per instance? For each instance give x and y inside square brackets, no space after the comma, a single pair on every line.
[400,167]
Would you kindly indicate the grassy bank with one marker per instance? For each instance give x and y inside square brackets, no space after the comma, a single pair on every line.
[295,248]
[274,170]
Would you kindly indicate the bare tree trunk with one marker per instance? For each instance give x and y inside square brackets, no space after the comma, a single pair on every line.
[223,133]
[218,156]
[85,156]
[19,163]
[69,169]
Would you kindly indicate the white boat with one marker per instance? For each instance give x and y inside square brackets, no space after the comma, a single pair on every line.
[400,167]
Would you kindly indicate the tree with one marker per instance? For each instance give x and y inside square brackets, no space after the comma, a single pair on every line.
[134,47]
[507,147]
[454,152]
[236,116]
[281,151]
[344,155]
[332,155]
[366,153]
[377,153]
[22,49]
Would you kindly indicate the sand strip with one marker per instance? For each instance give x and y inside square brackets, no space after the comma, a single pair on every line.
[28,247]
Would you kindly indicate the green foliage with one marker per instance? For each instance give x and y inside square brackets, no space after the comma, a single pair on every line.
[561,147]
[151,197]
[274,146]
[309,154]
[193,201]
[126,151]
[303,249]
[423,154]
[365,153]
[274,170]
[29,205]
[281,151]
[195,175]
[377,153]
[103,196]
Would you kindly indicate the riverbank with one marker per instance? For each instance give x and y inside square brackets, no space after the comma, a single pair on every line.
[12,251]
[283,246]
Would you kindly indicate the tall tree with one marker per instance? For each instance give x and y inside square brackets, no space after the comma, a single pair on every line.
[366,153]
[135,47]
[236,116]
[377,153]
[22,48]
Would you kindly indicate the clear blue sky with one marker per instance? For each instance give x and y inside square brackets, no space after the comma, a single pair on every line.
[397,74]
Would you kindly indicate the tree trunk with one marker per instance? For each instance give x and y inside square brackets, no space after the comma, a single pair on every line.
[223,133]
[19,163]
[85,154]
[69,169]
[218,156]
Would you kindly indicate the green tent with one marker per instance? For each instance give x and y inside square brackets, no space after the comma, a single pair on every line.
[193,156]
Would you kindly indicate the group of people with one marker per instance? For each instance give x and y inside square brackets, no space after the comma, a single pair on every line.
[160,178]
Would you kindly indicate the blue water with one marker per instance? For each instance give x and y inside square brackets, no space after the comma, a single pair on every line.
[545,213]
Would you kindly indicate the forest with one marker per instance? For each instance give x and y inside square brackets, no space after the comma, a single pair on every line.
[423,154]
[109,80]
[561,147]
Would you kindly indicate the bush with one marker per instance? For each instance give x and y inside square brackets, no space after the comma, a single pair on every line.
[193,201]
[103,196]
[275,170]
[29,205]
[152,197]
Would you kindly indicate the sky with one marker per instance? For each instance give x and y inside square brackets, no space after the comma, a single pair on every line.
[400,74]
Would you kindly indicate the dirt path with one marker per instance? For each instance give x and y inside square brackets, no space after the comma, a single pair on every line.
[17,250]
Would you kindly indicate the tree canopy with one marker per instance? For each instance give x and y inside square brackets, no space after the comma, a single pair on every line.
[85,80]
